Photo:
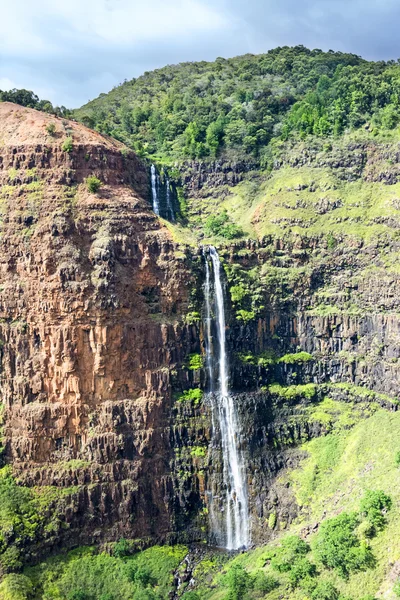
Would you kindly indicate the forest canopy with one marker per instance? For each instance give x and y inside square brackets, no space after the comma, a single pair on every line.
[237,106]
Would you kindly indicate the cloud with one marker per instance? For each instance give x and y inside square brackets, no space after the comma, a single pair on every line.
[69,51]
[72,48]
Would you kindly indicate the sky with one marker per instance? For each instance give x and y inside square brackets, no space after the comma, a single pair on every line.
[70,51]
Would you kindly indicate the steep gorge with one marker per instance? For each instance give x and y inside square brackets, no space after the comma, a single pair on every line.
[103,339]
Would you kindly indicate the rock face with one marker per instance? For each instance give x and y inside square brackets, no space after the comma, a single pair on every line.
[91,291]
[96,335]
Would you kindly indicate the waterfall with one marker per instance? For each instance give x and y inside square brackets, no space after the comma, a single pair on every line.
[224,415]
[156,206]
[168,197]
[207,295]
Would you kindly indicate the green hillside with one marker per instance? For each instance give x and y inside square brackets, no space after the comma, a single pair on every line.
[236,107]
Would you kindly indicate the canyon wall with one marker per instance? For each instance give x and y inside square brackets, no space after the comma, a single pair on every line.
[100,311]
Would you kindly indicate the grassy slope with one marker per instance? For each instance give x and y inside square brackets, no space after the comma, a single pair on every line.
[340,467]
[292,201]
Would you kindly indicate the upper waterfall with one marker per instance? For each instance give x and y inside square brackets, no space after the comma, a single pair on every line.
[224,416]
[170,209]
[156,205]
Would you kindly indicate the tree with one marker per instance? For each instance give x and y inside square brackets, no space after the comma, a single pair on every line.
[338,547]
[238,582]
[16,587]
[374,505]
[214,136]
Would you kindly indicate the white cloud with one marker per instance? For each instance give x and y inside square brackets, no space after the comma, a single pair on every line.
[123,21]
[45,25]
[71,50]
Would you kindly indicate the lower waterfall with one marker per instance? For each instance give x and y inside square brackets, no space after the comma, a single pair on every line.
[230,519]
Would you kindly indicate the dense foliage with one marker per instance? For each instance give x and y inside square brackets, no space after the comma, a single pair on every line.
[338,546]
[30,100]
[237,106]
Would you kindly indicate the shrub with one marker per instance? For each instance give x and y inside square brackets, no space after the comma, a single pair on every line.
[245,315]
[192,318]
[16,587]
[272,520]
[373,506]
[51,128]
[220,225]
[93,184]
[194,394]
[337,546]
[198,452]
[10,559]
[301,568]
[296,358]
[195,362]
[263,584]
[122,548]
[238,581]
[325,591]
[68,145]
[291,548]
[330,241]
[238,292]
[397,459]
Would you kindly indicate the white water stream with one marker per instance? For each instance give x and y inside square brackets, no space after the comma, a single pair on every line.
[224,415]
[169,203]
[156,206]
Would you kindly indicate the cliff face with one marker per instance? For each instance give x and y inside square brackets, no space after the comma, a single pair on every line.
[91,292]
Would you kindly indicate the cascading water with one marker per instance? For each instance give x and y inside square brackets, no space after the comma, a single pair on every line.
[209,353]
[168,197]
[154,195]
[235,530]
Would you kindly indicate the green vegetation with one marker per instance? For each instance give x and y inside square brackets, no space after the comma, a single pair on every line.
[26,516]
[192,318]
[374,505]
[29,99]
[68,145]
[292,392]
[193,395]
[296,359]
[16,587]
[93,184]
[265,359]
[195,362]
[240,105]
[85,575]
[337,545]
[198,452]
[51,129]
[221,225]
